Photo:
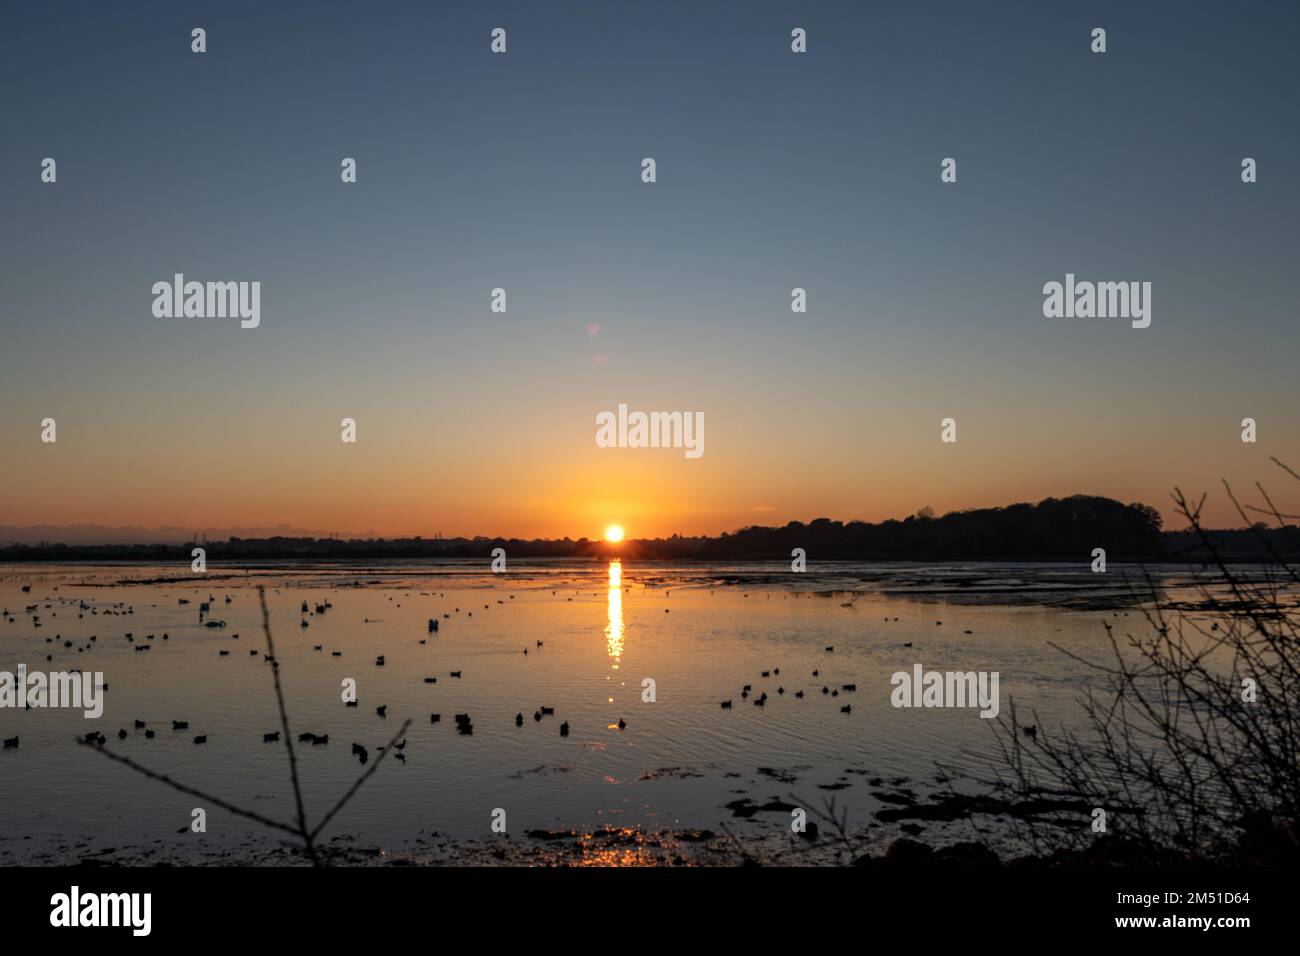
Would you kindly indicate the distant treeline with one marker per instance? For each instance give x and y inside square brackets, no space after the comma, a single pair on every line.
[1054,529]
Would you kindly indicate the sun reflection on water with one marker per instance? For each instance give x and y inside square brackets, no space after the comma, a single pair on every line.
[614,627]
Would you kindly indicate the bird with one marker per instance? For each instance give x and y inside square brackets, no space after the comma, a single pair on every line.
[121,734]
[270,738]
[1031,730]
[435,718]
[622,724]
[846,709]
[564,729]
[306,738]
[382,711]
[431,680]
[799,694]
[830,647]
[201,739]
[379,661]
[548,710]
[139,724]
[455,674]
[780,690]
[360,752]
[148,735]
[519,719]
[537,715]
[11,743]
[180,725]
[223,653]
[726,705]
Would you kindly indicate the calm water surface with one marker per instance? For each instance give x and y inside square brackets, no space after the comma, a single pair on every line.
[700,633]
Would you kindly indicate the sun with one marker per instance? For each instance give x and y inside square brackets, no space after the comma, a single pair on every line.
[614,533]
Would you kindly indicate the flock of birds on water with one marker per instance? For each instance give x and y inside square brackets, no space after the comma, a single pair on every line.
[464,724]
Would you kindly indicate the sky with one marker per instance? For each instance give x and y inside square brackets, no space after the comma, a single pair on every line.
[522,170]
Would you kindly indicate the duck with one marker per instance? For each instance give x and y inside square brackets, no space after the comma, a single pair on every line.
[1031,730]
[270,738]
[382,710]
[201,739]
[435,718]
[799,694]
[431,680]
[622,724]
[564,729]
[11,743]
[456,674]
[121,734]
[547,710]
[180,725]
[139,725]
[148,735]
[519,719]
[537,715]
[360,752]
[379,661]
[846,709]
[726,705]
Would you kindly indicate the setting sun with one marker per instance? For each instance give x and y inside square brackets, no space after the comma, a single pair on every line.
[614,533]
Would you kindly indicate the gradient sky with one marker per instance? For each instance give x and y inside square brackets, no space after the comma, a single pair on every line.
[523,171]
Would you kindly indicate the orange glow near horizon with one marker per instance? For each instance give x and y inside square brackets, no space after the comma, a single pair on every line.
[614,533]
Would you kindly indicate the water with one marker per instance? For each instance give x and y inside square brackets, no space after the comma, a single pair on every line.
[699,632]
